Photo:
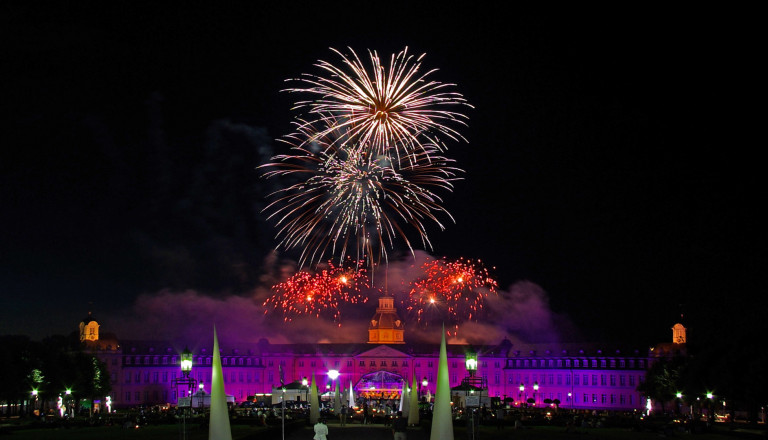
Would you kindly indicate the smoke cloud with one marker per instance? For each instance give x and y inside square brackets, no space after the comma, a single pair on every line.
[519,313]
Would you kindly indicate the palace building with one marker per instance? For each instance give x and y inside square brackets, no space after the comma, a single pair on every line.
[577,376]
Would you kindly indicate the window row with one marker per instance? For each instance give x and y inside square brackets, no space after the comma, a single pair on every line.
[576,363]
[577,379]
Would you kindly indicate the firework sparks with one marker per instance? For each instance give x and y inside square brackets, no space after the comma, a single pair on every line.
[321,293]
[351,202]
[396,108]
[455,290]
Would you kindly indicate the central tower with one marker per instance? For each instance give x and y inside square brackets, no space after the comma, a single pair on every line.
[386,327]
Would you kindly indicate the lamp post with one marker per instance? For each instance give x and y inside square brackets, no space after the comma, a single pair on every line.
[186,384]
[304,383]
[68,401]
[34,396]
[424,384]
[520,396]
[535,390]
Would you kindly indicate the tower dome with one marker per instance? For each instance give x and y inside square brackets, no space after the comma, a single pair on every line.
[386,327]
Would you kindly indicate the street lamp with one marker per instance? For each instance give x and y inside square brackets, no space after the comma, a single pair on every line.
[186,383]
[535,390]
[520,396]
[424,384]
[471,363]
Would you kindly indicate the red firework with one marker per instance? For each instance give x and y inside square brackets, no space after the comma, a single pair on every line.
[320,293]
[451,290]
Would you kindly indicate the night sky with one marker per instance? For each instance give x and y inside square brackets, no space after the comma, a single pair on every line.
[608,165]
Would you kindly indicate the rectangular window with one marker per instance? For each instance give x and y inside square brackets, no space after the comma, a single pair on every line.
[349,363]
[405,363]
[383,363]
[550,363]
[242,377]
[311,364]
[301,363]
[594,398]
[271,363]
[372,363]
[585,382]
[224,361]
[602,399]
[559,379]
[613,363]
[429,364]
[271,377]
[137,395]
[208,361]
[602,380]
[453,365]
[551,379]
[613,380]
[622,380]
[127,396]
[232,377]
[631,380]
[165,360]
[586,398]
[146,377]
[575,379]
[155,377]
[567,379]
[127,377]
[249,377]
[622,399]
[394,363]
[594,363]
[576,363]
[362,363]
[496,364]
[496,378]
[622,364]
[613,399]
[602,363]
[568,363]
[594,380]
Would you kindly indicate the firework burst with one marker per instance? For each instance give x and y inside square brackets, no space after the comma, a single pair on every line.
[350,202]
[452,290]
[321,293]
[383,109]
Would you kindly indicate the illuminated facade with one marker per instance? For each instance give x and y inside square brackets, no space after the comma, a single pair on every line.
[578,376]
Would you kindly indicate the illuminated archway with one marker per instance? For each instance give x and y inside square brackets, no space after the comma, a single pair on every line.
[379,385]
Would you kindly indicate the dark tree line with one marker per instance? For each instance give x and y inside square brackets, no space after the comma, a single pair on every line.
[49,367]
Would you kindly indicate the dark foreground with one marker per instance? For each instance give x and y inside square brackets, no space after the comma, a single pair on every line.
[356,432]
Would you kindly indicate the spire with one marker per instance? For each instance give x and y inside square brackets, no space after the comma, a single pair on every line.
[314,411]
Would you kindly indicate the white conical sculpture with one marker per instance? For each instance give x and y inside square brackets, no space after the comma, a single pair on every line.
[314,403]
[413,406]
[406,400]
[337,401]
[219,426]
[403,396]
[442,421]
[351,394]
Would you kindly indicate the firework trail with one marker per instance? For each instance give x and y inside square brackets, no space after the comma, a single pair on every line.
[395,111]
[321,293]
[349,202]
[451,290]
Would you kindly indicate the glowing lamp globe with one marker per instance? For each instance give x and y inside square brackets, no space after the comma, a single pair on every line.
[186,361]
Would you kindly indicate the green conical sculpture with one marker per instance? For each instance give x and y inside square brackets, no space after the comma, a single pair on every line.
[442,423]
[219,426]
[413,407]
[314,403]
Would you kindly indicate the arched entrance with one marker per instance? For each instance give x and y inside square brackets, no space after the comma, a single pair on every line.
[380,385]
